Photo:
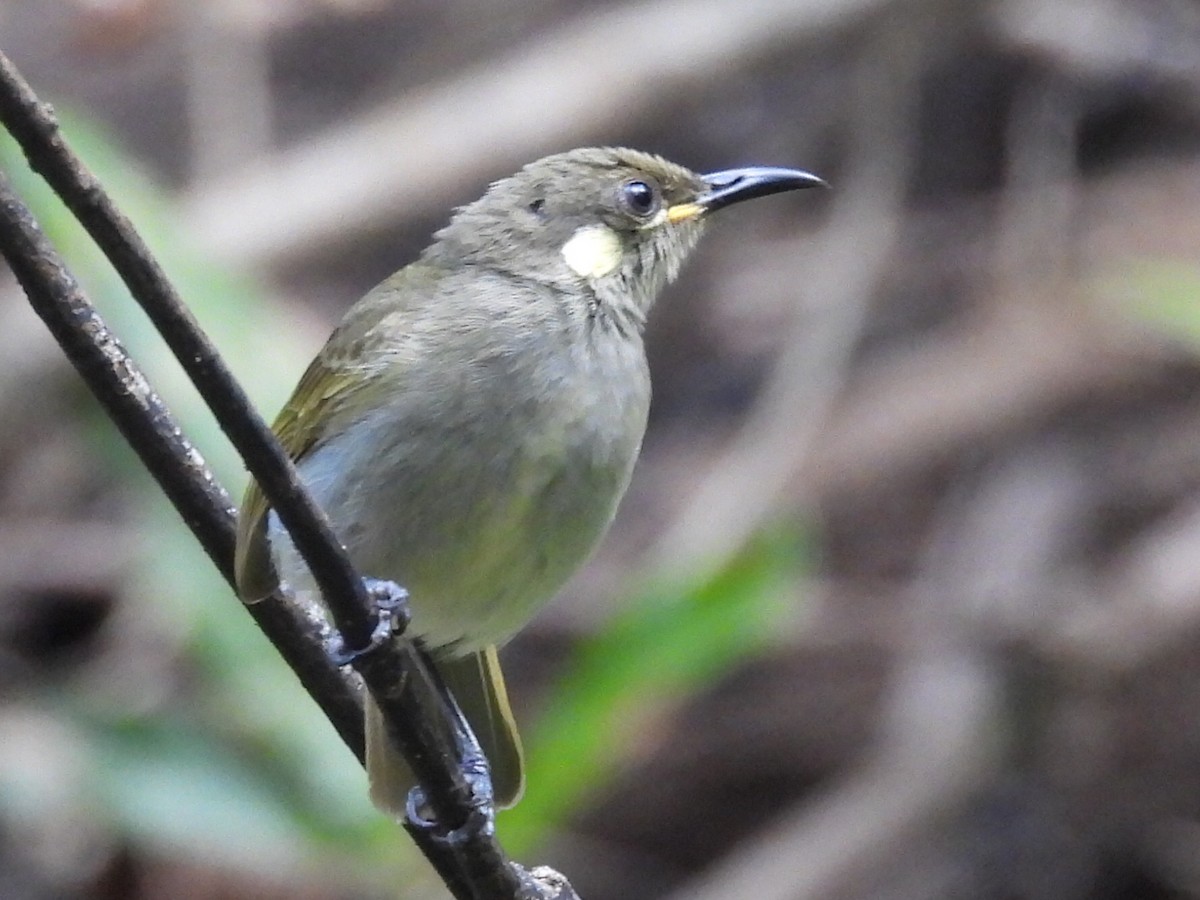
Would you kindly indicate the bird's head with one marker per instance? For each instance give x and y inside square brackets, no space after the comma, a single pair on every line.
[611,224]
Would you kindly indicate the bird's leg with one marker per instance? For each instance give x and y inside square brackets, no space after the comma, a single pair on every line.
[391,617]
[475,768]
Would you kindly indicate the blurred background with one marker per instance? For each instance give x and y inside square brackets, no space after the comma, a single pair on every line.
[904,601]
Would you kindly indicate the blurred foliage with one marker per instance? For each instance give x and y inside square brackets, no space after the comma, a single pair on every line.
[672,641]
[1161,294]
[246,767]
[996,448]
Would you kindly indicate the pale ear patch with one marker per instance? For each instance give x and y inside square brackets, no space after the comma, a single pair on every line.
[593,251]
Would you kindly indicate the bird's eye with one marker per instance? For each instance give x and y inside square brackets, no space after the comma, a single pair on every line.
[538,207]
[640,198]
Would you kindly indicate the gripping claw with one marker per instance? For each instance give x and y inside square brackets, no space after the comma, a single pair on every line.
[391,617]
[478,775]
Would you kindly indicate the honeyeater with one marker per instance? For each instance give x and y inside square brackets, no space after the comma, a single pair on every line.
[471,425]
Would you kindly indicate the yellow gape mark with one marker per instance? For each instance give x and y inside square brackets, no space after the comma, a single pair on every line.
[593,251]
[682,212]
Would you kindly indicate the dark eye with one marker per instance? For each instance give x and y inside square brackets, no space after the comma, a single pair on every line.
[640,198]
[538,207]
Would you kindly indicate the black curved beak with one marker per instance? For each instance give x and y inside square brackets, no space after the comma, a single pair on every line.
[736,185]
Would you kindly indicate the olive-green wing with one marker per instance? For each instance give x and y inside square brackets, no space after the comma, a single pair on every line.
[300,428]
[336,382]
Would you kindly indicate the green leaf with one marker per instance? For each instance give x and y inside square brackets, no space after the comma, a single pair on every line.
[671,642]
[171,788]
[1164,294]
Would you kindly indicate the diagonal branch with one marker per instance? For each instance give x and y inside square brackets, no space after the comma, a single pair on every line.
[470,859]
[152,431]
[34,126]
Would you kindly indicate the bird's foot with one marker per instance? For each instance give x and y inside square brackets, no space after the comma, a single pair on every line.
[391,617]
[482,819]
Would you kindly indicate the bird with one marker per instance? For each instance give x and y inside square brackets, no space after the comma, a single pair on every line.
[473,421]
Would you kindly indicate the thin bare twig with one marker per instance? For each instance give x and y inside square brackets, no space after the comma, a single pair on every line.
[35,128]
[170,458]
[473,862]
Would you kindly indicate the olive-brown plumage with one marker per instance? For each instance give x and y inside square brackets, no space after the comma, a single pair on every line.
[472,423]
